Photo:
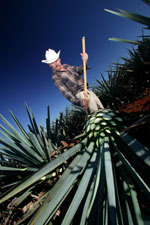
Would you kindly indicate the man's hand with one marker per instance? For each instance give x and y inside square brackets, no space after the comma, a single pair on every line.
[85,102]
[84,56]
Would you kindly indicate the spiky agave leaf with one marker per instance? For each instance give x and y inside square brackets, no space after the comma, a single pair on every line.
[125,41]
[132,16]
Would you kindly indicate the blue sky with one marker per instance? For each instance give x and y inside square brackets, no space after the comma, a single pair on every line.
[29,27]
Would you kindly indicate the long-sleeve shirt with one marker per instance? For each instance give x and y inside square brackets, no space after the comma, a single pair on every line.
[69,82]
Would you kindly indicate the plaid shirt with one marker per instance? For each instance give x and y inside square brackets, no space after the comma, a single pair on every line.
[69,82]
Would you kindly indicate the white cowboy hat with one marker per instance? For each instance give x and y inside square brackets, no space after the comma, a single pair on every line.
[51,56]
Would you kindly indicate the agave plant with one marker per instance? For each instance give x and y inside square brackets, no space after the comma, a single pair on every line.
[132,16]
[72,121]
[99,180]
[110,90]
[139,59]
[127,81]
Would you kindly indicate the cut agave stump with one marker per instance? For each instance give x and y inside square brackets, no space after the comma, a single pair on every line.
[103,123]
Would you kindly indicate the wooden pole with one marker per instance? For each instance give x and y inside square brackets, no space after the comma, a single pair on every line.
[84,69]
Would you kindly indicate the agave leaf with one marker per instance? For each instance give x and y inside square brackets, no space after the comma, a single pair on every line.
[47,149]
[96,195]
[132,16]
[32,120]
[19,157]
[138,216]
[115,13]
[88,175]
[136,17]
[19,125]
[105,82]
[30,152]
[11,169]
[53,192]
[21,143]
[27,145]
[138,179]
[6,133]
[139,149]
[49,167]
[98,177]
[129,214]
[130,198]
[12,163]
[126,195]
[10,184]
[125,41]
[110,182]
[105,212]
[84,217]
[35,143]
[53,200]
[17,150]
[48,124]
[101,197]
[13,130]
[119,211]
[34,126]
[27,139]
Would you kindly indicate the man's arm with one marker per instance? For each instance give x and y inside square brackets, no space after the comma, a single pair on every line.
[79,69]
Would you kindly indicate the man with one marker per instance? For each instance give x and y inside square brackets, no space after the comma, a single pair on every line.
[69,82]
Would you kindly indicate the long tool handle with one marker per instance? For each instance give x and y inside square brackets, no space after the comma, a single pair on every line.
[84,69]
